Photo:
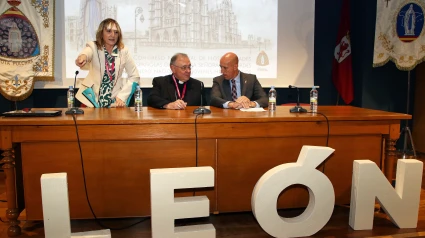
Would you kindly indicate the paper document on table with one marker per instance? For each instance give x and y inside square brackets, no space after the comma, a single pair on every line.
[259,109]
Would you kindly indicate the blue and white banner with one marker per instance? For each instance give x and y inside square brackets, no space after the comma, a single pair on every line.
[399,33]
[26,46]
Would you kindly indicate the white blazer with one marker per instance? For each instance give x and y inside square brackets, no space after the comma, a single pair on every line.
[96,67]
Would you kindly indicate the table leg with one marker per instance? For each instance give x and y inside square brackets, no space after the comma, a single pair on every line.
[12,212]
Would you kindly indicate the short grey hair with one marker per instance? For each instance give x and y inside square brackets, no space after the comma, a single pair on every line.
[175,56]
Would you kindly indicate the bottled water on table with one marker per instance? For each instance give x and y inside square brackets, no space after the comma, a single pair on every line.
[138,100]
[314,95]
[70,97]
[272,99]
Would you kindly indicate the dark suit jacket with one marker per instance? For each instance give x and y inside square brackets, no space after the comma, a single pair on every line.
[164,92]
[250,88]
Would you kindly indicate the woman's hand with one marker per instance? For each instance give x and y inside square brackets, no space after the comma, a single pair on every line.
[81,60]
[119,103]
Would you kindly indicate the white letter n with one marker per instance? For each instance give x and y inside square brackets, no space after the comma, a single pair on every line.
[401,204]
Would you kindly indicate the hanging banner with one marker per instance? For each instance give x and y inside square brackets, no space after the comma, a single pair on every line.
[399,33]
[26,46]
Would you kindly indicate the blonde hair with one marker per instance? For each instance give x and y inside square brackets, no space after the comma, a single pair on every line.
[99,33]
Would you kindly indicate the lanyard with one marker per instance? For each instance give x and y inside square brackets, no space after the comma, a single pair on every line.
[178,90]
[109,68]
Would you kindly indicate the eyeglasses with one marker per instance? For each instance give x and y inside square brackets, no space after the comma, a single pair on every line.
[184,67]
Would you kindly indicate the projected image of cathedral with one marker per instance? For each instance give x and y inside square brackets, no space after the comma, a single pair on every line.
[169,23]
[190,23]
[82,28]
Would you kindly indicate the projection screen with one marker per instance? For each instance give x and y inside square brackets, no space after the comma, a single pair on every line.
[274,39]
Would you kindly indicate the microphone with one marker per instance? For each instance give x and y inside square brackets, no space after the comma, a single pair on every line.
[74,110]
[201,109]
[75,78]
[297,108]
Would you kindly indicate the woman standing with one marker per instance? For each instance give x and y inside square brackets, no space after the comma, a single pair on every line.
[106,59]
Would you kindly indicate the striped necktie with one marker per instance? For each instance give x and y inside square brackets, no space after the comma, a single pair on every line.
[234,93]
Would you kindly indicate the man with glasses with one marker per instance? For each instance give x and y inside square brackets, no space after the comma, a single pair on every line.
[235,89]
[177,90]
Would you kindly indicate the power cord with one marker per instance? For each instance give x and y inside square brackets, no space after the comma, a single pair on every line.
[327,136]
[196,141]
[327,122]
[85,187]
[196,137]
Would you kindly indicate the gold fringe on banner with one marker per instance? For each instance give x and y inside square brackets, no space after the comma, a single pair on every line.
[28,52]
[21,97]
[405,46]
[375,65]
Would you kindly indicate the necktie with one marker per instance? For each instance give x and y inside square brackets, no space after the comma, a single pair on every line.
[234,93]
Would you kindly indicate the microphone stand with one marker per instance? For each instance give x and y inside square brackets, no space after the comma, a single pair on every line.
[74,110]
[297,108]
[202,109]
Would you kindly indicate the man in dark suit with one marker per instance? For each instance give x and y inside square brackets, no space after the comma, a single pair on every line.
[234,89]
[177,90]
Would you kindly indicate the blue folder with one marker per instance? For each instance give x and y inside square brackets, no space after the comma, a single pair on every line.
[89,94]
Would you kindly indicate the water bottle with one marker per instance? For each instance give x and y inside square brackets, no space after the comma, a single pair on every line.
[272,99]
[314,95]
[138,99]
[70,97]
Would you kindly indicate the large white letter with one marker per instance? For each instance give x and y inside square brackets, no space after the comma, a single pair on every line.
[272,183]
[55,201]
[166,208]
[54,198]
[401,205]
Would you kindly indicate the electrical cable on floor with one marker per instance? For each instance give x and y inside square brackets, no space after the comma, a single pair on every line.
[85,188]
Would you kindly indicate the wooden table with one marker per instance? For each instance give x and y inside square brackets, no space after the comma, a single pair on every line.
[119,146]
